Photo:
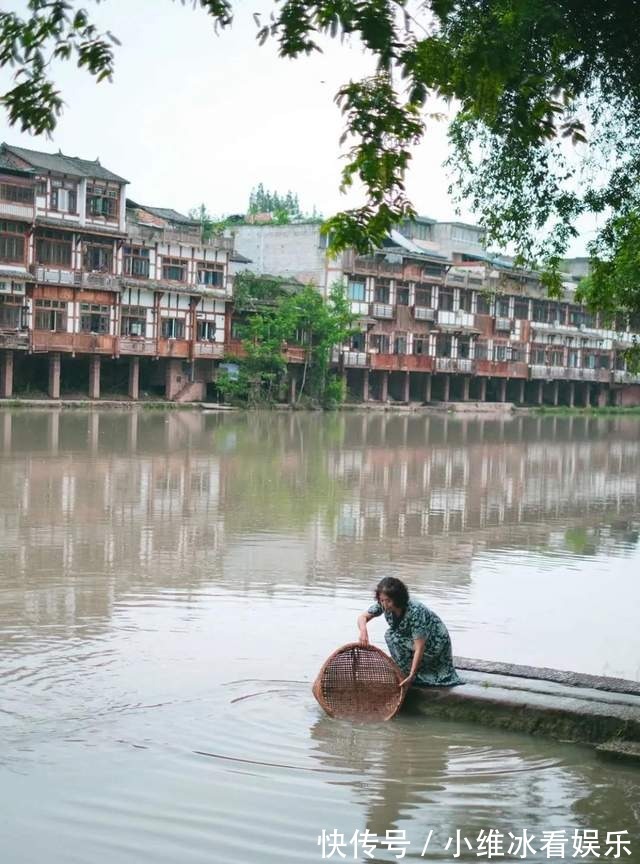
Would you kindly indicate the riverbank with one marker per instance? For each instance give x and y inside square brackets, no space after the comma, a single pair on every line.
[566,706]
[500,409]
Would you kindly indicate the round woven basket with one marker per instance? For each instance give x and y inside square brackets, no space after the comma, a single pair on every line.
[359,682]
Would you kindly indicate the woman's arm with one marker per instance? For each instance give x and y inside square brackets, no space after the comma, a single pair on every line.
[418,653]
[362,627]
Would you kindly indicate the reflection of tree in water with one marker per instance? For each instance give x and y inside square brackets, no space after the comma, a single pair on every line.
[274,473]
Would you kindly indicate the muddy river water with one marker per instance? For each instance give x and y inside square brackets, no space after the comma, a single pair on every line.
[170,583]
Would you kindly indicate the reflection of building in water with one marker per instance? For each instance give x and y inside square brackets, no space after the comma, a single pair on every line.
[102,503]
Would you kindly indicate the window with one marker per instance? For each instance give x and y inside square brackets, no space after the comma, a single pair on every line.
[174,269]
[103,201]
[420,344]
[51,315]
[540,311]
[11,314]
[98,257]
[482,351]
[574,359]
[16,193]
[400,343]
[136,262]
[64,196]
[465,300]
[603,361]
[237,330]
[433,270]
[11,242]
[500,352]
[538,357]
[211,276]
[483,304]
[502,307]
[444,344]
[521,309]
[206,331]
[380,342]
[402,296]
[423,297]
[357,342]
[53,247]
[94,318]
[41,187]
[133,321]
[356,291]
[464,348]
[446,299]
[557,358]
[517,354]
[381,293]
[173,328]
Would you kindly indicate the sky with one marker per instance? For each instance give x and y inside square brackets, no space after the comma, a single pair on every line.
[197,117]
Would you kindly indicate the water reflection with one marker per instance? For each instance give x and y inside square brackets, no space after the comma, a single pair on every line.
[181,498]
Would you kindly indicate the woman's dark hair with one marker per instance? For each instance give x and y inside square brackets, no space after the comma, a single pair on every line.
[395,589]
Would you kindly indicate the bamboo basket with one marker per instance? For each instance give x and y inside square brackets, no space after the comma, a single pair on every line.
[359,682]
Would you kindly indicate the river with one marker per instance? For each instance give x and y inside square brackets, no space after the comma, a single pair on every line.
[172,581]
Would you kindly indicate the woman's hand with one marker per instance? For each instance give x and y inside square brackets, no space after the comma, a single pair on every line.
[362,628]
[408,681]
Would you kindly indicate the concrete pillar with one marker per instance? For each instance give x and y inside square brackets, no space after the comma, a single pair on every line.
[94,376]
[384,390]
[6,375]
[502,392]
[556,391]
[572,394]
[292,387]
[54,375]
[483,389]
[134,378]
[602,396]
[447,388]
[540,394]
[466,381]
[406,387]
[521,396]
[588,393]
[345,385]
[427,387]
[365,385]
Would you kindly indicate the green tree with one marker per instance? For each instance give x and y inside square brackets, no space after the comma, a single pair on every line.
[545,95]
[284,208]
[279,317]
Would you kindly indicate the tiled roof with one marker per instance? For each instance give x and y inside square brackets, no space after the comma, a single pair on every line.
[58,163]
[7,165]
[164,213]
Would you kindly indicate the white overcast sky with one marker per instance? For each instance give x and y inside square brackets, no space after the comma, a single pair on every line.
[193,117]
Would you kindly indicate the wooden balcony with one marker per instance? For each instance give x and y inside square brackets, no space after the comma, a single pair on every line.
[455,365]
[210,350]
[174,348]
[73,343]
[401,362]
[137,345]
[14,340]
[502,369]
[621,376]
[234,348]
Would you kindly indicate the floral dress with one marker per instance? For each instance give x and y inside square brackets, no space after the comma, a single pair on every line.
[419,622]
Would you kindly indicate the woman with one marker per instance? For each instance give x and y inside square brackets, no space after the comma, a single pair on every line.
[417,639]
